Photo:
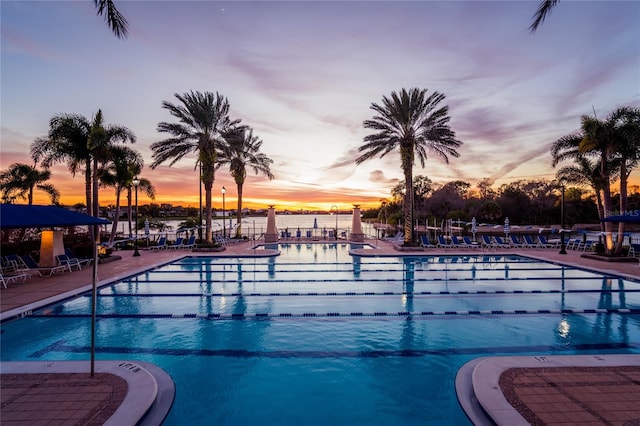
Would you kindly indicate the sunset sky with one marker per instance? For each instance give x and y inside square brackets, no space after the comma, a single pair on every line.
[303,74]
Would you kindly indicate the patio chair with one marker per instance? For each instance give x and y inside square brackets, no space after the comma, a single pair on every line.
[443,243]
[424,242]
[515,242]
[162,244]
[83,261]
[486,242]
[222,241]
[12,278]
[177,245]
[191,242]
[528,241]
[543,243]
[43,271]
[499,242]
[470,243]
[455,242]
[67,262]
[589,245]
[309,234]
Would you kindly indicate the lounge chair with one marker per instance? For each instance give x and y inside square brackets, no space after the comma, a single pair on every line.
[443,243]
[543,243]
[12,278]
[177,245]
[470,243]
[67,262]
[26,265]
[162,244]
[191,242]
[515,242]
[222,241]
[455,242]
[424,242]
[486,242]
[43,271]
[588,245]
[83,261]
[499,242]
[528,241]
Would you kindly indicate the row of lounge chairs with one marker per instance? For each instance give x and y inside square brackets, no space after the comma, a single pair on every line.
[16,268]
[493,242]
[179,244]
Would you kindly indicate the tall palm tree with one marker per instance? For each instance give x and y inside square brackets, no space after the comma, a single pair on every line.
[20,180]
[115,20]
[83,145]
[585,173]
[414,123]
[203,121]
[242,150]
[627,156]
[607,141]
[119,172]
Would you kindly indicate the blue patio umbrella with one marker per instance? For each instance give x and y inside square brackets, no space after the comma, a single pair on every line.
[507,228]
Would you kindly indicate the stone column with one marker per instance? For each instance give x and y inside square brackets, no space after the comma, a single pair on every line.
[51,245]
[271,236]
[357,235]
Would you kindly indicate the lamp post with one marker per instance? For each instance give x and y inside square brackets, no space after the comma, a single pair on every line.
[224,229]
[135,183]
[562,245]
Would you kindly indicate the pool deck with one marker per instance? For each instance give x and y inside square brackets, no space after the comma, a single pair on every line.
[620,382]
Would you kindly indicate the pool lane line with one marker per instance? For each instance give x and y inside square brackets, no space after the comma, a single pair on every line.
[372,293]
[62,346]
[266,315]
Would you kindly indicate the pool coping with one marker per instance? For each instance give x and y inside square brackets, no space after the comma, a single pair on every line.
[149,396]
[481,396]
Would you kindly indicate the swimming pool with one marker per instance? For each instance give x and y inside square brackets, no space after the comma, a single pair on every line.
[317,336]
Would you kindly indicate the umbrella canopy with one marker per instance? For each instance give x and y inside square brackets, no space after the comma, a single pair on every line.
[507,228]
[474,225]
[29,216]
[315,223]
[622,218]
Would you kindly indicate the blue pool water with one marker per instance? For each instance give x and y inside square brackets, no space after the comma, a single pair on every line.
[317,336]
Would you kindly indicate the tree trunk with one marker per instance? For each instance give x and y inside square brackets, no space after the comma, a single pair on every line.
[606,195]
[129,210]
[624,178]
[87,193]
[407,207]
[239,215]
[114,227]
[207,211]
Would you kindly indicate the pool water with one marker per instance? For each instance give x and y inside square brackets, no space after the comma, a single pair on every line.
[317,336]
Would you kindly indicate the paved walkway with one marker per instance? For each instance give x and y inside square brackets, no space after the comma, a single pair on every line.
[525,384]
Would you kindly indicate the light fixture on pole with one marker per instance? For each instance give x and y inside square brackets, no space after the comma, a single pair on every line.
[224,229]
[562,244]
[135,183]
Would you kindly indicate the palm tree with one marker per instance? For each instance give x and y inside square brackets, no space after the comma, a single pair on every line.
[413,123]
[608,141]
[116,22]
[83,145]
[119,173]
[544,9]
[627,156]
[585,172]
[203,121]
[20,180]
[242,150]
